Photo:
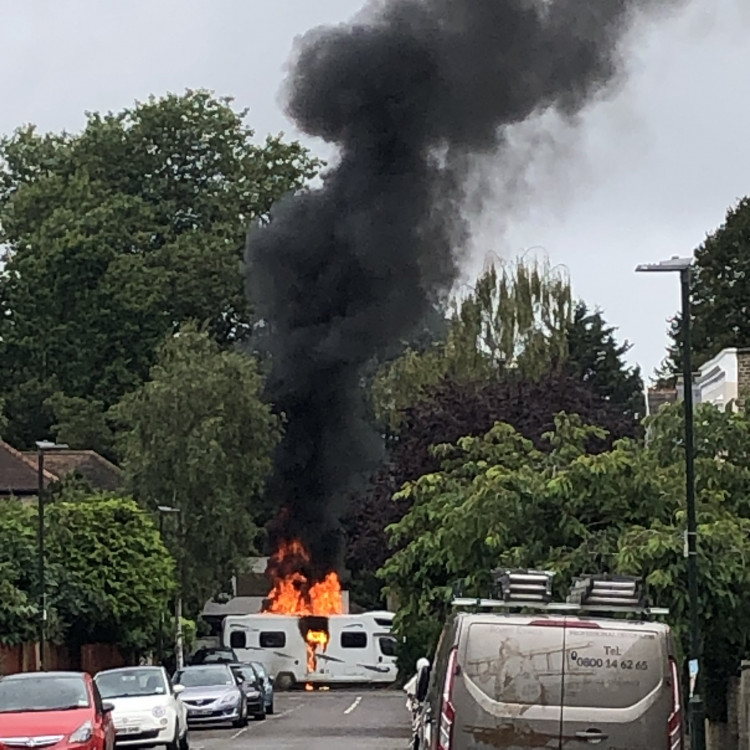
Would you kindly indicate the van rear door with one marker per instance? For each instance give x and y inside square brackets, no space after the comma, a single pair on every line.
[616,690]
[508,691]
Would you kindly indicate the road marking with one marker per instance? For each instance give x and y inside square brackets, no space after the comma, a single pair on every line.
[288,711]
[240,733]
[354,705]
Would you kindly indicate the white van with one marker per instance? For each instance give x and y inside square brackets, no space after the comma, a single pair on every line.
[361,648]
[596,670]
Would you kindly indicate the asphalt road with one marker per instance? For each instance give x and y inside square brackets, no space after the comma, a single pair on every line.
[335,720]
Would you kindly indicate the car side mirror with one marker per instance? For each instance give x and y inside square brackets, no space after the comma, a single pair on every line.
[107,708]
[177,689]
[423,682]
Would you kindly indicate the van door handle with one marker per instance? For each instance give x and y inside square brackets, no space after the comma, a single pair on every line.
[592,735]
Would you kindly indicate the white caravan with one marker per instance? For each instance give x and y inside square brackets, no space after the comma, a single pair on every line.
[361,648]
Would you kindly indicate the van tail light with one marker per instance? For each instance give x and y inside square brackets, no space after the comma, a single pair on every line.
[675,725]
[447,711]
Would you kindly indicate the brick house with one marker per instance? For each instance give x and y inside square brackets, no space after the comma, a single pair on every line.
[19,470]
[723,381]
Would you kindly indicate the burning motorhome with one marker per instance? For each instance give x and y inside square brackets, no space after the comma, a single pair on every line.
[303,637]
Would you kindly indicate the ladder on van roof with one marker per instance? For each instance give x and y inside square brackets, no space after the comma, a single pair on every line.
[591,593]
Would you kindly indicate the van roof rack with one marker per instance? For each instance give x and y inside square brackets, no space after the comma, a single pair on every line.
[532,589]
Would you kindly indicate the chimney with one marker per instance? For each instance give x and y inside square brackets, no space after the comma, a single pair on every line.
[743,376]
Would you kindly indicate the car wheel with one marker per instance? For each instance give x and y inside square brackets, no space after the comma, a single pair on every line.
[261,716]
[269,710]
[242,721]
[284,681]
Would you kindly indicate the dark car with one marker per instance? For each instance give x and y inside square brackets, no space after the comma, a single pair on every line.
[63,709]
[213,656]
[251,685]
[267,685]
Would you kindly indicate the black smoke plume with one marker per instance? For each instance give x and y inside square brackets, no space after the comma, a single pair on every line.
[412,93]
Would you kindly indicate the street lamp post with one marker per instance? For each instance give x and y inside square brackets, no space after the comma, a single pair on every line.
[179,657]
[42,446]
[696,707]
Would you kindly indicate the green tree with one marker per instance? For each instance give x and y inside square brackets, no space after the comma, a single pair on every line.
[198,436]
[446,413]
[500,501]
[119,234]
[720,294]
[595,357]
[111,574]
[18,566]
[108,573]
[516,316]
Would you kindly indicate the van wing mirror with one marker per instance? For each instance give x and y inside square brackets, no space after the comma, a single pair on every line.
[177,689]
[423,682]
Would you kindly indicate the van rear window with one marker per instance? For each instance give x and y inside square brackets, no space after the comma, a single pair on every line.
[611,668]
[512,663]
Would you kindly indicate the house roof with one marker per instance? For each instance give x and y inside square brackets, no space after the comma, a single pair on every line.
[18,474]
[18,470]
[239,605]
[95,469]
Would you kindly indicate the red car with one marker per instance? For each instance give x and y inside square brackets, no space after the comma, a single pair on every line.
[55,710]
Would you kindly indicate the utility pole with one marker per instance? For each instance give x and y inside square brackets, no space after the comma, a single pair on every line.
[696,709]
[42,637]
[41,447]
[179,652]
[163,510]
[695,704]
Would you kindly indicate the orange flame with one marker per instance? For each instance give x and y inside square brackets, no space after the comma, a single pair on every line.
[292,594]
[316,640]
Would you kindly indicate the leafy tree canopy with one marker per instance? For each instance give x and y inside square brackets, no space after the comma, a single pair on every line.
[109,575]
[119,234]
[595,357]
[720,287]
[198,437]
[515,317]
[449,411]
[498,500]
[18,566]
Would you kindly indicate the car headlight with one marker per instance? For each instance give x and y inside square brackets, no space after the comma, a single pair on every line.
[230,699]
[159,711]
[82,734]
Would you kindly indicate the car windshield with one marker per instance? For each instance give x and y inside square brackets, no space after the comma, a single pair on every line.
[124,683]
[43,693]
[260,669]
[245,674]
[216,656]
[208,676]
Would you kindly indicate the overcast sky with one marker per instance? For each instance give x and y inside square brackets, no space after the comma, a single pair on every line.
[644,177]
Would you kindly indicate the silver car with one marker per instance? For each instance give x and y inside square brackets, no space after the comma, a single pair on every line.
[212,695]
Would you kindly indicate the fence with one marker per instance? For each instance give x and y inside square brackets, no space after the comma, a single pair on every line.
[91,658]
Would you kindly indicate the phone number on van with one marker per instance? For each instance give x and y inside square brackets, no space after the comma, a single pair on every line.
[586,661]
